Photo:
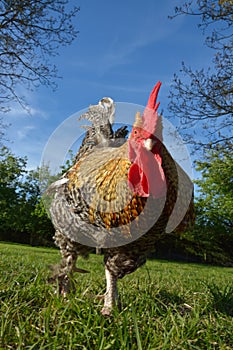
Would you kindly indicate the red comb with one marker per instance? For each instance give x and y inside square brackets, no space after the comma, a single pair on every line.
[150,115]
[151,104]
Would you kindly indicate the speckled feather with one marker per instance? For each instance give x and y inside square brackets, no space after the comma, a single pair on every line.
[94,197]
[97,193]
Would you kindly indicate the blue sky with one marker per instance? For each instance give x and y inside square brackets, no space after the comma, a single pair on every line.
[122,50]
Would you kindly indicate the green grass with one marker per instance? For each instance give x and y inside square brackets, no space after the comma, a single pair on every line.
[165,305]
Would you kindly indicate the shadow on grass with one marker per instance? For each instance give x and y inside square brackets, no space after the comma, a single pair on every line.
[169,298]
[222,298]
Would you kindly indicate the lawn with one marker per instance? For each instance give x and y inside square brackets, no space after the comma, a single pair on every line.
[165,305]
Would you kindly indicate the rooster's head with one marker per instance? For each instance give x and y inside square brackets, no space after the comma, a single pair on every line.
[146,174]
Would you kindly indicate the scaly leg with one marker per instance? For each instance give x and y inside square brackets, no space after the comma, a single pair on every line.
[64,271]
[111,295]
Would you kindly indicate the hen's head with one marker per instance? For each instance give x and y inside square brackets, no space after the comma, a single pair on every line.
[146,174]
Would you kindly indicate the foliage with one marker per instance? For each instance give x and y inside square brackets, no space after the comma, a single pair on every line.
[214,204]
[70,161]
[212,237]
[203,99]
[3,127]
[22,214]
[12,169]
[216,188]
[31,33]
[164,306]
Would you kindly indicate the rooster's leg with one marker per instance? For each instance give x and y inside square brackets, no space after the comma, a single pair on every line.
[64,271]
[111,295]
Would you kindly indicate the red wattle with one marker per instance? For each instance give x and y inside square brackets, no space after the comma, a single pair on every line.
[146,176]
[138,181]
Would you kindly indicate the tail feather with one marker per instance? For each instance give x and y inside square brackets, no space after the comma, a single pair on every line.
[100,132]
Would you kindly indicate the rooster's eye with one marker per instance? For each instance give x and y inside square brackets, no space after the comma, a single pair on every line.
[135,132]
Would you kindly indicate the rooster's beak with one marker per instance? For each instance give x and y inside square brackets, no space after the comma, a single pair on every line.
[149,144]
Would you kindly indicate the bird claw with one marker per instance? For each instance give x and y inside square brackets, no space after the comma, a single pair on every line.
[64,284]
[106,311]
[77,269]
[100,296]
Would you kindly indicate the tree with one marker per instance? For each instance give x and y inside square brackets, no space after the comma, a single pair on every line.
[204,98]
[12,170]
[214,205]
[3,127]
[211,240]
[31,32]
[23,217]
[216,188]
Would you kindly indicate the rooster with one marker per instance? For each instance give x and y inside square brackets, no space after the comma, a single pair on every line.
[121,195]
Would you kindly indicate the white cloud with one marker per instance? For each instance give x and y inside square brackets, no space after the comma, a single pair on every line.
[30,109]
[25,131]
[20,112]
